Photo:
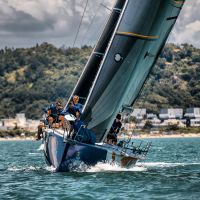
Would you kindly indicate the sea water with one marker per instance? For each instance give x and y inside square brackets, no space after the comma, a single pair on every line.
[171,171]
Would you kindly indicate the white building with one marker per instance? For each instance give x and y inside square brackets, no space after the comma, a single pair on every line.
[20,121]
[152,116]
[192,113]
[171,113]
[129,127]
[195,122]
[139,113]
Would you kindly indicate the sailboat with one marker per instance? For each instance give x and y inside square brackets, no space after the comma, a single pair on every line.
[111,81]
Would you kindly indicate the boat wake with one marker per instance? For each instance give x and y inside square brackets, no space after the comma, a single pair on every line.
[150,165]
[50,169]
[41,147]
[31,168]
[139,167]
[24,169]
[103,167]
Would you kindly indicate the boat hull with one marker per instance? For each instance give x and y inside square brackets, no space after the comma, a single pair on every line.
[69,155]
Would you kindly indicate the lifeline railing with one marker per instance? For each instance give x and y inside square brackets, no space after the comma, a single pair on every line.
[140,149]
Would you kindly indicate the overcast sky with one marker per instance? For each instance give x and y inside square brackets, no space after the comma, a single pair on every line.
[23,23]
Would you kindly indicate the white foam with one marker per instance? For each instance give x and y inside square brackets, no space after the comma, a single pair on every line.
[50,168]
[163,164]
[34,153]
[41,147]
[103,167]
[29,168]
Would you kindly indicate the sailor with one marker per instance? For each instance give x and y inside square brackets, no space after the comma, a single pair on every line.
[54,118]
[74,106]
[54,113]
[40,132]
[78,124]
[114,130]
[81,133]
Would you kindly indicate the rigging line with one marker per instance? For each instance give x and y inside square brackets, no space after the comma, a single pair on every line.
[106,7]
[97,33]
[93,18]
[142,103]
[107,35]
[80,22]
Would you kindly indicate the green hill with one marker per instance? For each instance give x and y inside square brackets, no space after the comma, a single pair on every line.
[34,77]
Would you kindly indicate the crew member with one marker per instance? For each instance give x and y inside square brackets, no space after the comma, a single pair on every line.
[114,130]
[54,113]
[74,106]
[54,116]
[77,124]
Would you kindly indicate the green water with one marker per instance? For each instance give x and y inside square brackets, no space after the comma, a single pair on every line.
[171,171]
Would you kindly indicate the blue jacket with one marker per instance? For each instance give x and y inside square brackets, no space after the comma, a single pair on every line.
[78,107]
[77,124]
[72,110]
[54,111]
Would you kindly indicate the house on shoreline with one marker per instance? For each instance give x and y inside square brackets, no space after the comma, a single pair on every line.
[20,122]
[167,116]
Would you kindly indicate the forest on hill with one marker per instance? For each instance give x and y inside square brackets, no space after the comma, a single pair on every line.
[32,78]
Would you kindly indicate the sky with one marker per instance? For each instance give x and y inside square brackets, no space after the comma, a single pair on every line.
[24,23]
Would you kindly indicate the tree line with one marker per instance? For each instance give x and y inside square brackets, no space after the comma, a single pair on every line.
[32,78]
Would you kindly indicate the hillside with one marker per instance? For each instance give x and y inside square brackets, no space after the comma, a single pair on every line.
[34,77]
[174,81]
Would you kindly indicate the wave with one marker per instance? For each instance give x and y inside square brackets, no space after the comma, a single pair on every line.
[34,153]
[163,164]
[103,167]
[50,168]
[24,169]
[139,167]
[31,168]
[41,147]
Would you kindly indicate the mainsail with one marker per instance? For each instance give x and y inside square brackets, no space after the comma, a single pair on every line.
[124,56]
[87,78]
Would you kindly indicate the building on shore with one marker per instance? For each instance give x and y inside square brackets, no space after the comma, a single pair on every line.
[139,113]
[171,113]
[192,113]
[20,122]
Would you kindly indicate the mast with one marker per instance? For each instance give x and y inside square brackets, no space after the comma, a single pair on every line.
[88,75]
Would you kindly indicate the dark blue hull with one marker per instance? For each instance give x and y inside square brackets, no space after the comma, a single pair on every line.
[66,155]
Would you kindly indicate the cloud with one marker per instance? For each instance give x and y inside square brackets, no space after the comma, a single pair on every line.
[25,23]
[52,21]
[187,28]
[21,22]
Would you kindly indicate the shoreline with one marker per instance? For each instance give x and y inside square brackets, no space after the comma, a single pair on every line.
[154,136]
[142,136]
[18,139]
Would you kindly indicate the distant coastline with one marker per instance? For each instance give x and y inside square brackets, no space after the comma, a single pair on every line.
[180,135]
[18,139]
[140,136]
[16,134]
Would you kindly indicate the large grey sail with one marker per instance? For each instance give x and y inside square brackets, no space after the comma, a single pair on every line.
[137,41]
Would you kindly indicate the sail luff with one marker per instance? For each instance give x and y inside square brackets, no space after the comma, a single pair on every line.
[88,75]
[106,54]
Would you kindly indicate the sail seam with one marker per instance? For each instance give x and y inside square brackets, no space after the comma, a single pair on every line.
[137,35]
